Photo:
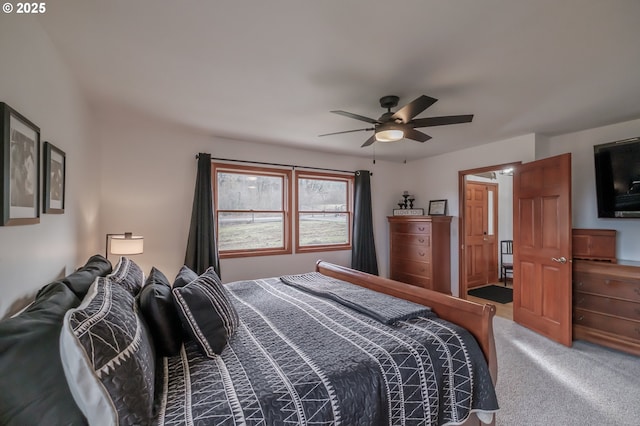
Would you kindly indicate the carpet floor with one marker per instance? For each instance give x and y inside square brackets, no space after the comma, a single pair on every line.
[494,293]
[541,382]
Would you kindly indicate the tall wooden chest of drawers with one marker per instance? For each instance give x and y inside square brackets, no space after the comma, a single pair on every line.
[606,304]
[420,251]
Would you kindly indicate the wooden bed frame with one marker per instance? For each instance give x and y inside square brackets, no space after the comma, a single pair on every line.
[476,318]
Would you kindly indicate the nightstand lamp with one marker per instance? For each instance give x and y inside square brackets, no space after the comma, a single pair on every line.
[124,244]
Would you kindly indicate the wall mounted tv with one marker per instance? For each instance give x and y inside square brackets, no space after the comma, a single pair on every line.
[618,178]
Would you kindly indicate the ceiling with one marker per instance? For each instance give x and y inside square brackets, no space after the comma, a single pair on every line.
[270,71]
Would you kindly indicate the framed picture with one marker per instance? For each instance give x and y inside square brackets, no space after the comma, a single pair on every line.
[54,171]
[437,207]
[20,177]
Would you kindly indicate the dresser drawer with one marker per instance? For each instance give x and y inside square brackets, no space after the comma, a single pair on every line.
[407,266]
[607,305]
[400,239]
[607,286]
[417,253]
[411,228]
[623,327]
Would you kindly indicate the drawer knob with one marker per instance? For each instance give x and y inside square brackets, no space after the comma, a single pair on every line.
[580,302]
[580,318]
[420,228]
[580,284]
[421,253]
[421,240]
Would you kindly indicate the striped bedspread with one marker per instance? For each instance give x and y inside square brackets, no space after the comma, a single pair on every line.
[301,359]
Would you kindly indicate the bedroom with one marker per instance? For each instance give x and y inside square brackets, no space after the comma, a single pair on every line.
[120,160]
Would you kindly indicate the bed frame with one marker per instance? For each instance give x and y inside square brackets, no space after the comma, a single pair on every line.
[476,318]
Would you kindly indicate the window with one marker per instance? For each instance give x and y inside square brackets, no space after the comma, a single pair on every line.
[252,210]
[323,213]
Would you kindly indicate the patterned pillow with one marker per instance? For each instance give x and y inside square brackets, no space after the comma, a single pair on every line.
[128,274]
[108,358]
[206,312]
[156,304]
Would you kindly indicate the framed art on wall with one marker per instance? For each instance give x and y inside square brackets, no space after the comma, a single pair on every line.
[54,172]
[437,207]
[20,177]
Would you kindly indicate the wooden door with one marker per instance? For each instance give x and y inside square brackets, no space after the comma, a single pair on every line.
[481,201]
[542,247]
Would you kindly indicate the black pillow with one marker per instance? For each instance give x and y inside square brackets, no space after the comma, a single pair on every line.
[80,281]
[156,305]
[32,379]
[184,277]
[205,308]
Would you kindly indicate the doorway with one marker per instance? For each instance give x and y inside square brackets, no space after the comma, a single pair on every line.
[486,218]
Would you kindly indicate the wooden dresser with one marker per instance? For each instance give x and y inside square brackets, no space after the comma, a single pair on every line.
[606,303]
[420,251]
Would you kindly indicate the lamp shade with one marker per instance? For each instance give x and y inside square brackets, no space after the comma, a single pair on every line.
[126,244]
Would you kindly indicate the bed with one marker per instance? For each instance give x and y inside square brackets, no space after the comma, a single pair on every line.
[299,349]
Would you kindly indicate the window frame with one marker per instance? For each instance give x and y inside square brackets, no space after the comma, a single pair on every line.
[349,179]
[286,175]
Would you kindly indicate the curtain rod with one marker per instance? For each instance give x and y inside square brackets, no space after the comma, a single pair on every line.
[281,165]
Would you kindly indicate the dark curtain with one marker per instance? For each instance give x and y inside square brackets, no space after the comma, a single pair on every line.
[202,251]
[363,252]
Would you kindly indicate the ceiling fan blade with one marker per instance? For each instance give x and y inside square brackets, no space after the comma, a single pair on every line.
[441,121]
[413,108]
[356,116]
[416,135]
[346,131]
[369,141]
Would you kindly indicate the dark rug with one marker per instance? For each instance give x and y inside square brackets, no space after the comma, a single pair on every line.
[494,293]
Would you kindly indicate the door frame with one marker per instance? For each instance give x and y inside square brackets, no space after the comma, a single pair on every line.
[462,278]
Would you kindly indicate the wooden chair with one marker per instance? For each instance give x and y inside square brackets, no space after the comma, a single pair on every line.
[506,250]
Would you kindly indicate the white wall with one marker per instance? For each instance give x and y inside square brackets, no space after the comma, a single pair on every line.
[436,178]
[148,170]
[35,82]
[585,212]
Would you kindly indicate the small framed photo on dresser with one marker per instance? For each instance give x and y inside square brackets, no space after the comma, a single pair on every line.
[437,207]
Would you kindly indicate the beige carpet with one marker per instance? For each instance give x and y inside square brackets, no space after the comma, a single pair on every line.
[541,382]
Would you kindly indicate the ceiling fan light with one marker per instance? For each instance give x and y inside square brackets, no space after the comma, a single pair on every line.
[389,135]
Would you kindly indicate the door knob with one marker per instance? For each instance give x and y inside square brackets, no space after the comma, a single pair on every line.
[561,260]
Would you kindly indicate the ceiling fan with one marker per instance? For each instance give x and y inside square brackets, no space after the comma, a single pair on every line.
[394,126]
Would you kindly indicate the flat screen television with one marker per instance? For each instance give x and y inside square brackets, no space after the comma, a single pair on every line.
[618,178]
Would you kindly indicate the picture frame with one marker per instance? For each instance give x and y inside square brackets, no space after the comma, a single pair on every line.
[437,207]
[20,163]
[54,169]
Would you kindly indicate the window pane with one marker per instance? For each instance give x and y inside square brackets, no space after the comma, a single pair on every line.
[246,231]
[323,228]
[322,195]
[238,191]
